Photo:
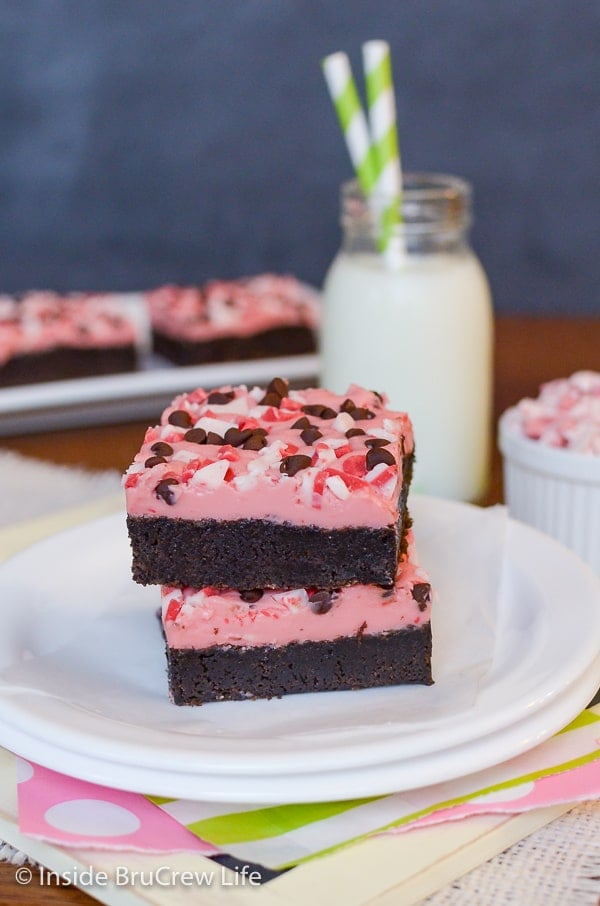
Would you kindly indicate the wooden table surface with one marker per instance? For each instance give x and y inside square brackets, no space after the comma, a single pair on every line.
[528,351]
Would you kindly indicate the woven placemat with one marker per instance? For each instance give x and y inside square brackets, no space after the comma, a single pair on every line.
[558,865]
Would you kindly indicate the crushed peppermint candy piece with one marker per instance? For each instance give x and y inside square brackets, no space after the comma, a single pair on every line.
[212,475]
[338,486]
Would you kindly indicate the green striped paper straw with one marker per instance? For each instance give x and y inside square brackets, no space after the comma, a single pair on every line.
[342,88]
[379,84]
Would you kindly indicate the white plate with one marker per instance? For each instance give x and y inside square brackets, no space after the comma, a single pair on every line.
[320,786]
[138,395]
[83,686]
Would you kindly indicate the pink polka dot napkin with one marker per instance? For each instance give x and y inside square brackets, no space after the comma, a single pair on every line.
[72,812]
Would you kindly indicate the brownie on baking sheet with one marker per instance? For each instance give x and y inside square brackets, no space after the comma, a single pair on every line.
[267,344]
[67,364]
[227,320]
[47,337]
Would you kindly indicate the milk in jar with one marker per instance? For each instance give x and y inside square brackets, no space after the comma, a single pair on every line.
[418,329]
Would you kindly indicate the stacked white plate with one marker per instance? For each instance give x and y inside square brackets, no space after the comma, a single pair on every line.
[83,680]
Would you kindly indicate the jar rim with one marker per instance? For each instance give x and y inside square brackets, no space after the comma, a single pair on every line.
[435,208]
[420,186]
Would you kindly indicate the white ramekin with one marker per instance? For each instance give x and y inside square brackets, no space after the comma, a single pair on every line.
[555,490]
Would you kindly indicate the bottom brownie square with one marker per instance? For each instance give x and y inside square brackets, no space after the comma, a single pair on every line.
[234,645]
[230,673]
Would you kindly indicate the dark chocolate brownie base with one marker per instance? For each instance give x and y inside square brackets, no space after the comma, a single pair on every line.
[66,363]
[271,343]
[254,553]
[356,662]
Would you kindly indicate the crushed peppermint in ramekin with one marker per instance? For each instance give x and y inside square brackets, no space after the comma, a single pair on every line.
[566,414]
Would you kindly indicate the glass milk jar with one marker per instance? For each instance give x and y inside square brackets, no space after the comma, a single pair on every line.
[417,327]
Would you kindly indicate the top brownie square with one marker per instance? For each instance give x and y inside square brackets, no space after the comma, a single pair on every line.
[252,489]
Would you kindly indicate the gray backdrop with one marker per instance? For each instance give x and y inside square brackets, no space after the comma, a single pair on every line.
[145,141]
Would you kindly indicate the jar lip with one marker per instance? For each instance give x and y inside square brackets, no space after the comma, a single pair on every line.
[421,186]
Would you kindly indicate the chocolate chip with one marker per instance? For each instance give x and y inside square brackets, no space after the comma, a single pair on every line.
[276,390]
[359,413]
[195,436]
[422,594]
[354,432]
[154,461]
[314,409]
[319,410]
[161,448]
[262,431]
[290,465]
[219,398]
[256,442]
[251,595]
[361,631]
[278,386]
[377,455]
[387,593]
[378,395]
[310,435]
[347,406]
[235,437]
[271,399]
[163,490]
[180,418]
[213,438]
[377,442]
[320,602]
[302,423]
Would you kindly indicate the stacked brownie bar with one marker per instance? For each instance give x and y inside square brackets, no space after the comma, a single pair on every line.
[276,523]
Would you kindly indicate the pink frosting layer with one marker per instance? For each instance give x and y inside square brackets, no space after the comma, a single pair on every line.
[341,480]
[236,307]
[41,321]
[565,414]
[203,618]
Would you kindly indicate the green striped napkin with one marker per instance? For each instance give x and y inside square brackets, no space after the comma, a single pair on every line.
[285,835]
